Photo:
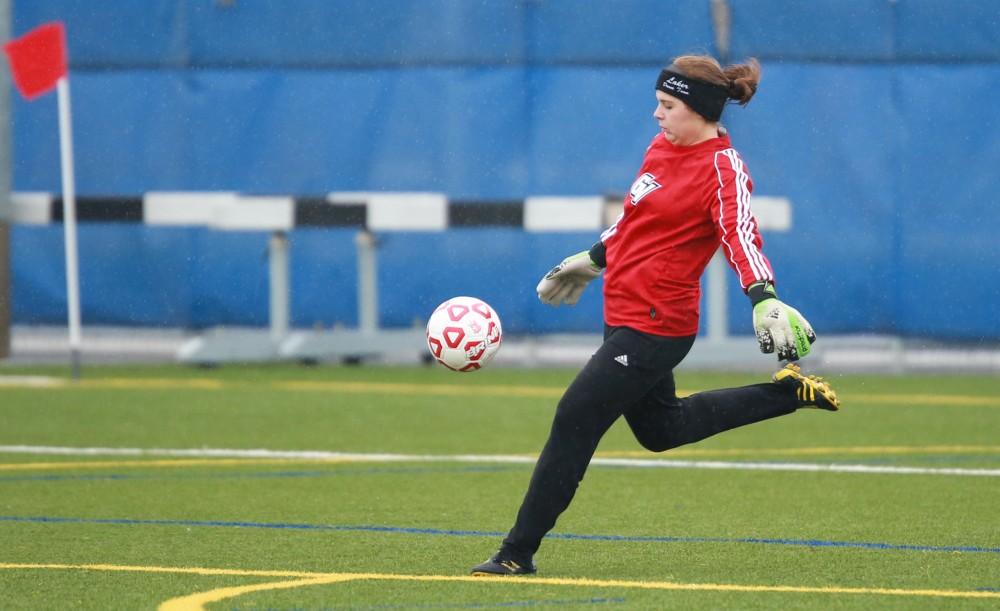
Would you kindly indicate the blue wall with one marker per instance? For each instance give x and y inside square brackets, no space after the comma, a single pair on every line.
[875,117]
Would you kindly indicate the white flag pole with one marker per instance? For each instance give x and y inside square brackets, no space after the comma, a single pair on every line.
[69,223]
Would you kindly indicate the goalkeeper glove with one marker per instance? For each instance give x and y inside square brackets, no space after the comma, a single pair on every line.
[778,326]
[566,281]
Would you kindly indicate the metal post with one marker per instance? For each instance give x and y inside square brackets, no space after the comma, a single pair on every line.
[278,262]
[4,283]
[716,300]
[69,222]
[6,214]
[367,282]
[722,20]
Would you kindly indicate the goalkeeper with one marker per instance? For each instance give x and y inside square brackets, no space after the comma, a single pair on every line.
[692,194]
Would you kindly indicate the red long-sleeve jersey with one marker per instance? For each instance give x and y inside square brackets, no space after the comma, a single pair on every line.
[685,202]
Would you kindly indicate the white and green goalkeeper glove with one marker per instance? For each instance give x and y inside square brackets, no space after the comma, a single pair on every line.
[778,326]
[566,281]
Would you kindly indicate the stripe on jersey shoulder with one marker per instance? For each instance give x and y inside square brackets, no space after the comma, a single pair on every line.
[744,221]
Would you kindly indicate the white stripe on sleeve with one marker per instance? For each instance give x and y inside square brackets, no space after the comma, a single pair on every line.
[744,219]
[747,223]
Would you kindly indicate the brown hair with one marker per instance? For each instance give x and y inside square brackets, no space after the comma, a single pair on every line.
[740,80]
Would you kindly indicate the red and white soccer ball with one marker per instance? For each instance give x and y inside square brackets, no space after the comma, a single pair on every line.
[464,333]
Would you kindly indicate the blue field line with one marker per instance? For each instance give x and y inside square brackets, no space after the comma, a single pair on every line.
[483,533]
[259,474]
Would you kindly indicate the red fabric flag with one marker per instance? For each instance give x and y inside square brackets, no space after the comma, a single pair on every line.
[38,59]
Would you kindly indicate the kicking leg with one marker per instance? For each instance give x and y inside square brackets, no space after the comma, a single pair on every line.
[662,420]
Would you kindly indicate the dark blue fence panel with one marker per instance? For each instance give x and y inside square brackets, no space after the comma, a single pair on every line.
[195,278]
[324,278]
[128,275]
[501,266]
[823,136]
[135,275]
[947,30]
[373,32]
[113,34]
[132,132]
[818,30]
[37,272]
[618,33]
[304,33]
[461,131]
[589,128]
[946,270]
[312,33]
[889,165]
[229,280]
[471,133]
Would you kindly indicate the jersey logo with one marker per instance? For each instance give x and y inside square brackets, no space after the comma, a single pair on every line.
[643,186]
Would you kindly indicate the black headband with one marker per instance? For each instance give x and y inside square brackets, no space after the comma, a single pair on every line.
[706,99]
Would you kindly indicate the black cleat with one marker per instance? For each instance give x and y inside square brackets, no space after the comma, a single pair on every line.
[500,564]
[811,391]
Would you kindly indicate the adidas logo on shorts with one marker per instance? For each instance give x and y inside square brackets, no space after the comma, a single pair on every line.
[622,360]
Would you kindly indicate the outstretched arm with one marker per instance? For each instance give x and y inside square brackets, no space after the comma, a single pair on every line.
[779,327]
[565,282]
[735,222]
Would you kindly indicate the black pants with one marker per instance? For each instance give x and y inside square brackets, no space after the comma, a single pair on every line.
[631,374]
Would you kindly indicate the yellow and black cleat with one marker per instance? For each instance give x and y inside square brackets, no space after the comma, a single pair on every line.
[811,391]
[500,565]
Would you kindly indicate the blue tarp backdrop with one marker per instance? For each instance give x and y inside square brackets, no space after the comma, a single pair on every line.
[876,118]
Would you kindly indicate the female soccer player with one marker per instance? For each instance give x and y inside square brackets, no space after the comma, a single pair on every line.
[691,195]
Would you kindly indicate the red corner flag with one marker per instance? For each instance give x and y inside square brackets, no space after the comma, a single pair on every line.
[38,59]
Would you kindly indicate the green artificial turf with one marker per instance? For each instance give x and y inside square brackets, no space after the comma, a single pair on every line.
[698,538]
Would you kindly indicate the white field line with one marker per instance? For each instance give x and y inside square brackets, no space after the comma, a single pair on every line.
[653,463]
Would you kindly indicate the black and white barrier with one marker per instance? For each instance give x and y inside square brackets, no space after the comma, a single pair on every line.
[369,212]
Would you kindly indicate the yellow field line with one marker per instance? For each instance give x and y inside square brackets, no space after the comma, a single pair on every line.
[155,383]
[178,570]
[296,579]
[812,451]
[174,462]
[197,601]
[304,385]
[401,388]
[53,383]
[924,399]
